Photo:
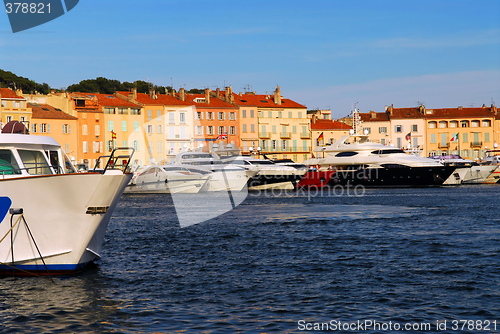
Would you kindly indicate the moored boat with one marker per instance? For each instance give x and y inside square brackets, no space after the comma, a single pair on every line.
[466,172]
[357,161]
[170,179]
[53,218]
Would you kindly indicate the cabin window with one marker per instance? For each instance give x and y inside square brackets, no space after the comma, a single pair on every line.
[8,164]
[34,162]
[346,154]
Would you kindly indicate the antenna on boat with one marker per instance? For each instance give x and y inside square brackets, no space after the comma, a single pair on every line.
[356,121]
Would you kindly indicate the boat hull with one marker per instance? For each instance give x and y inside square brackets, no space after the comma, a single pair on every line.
[64,219]
[494,177]
[270,178]
[393,177]
[315,179]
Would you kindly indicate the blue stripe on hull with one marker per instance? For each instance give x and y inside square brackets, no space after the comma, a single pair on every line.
[33,269]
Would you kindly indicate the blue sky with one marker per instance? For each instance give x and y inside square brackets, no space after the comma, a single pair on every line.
[323,54]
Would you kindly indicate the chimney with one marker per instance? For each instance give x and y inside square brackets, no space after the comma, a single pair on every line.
[19,92]
[373,115]
[182,94]
[277,96]
[422,109]
[229,95]
[217,93]
[390,110]
[313,119]
[152,93]
[207,95]
[174,92]
[494,109]
[134,94]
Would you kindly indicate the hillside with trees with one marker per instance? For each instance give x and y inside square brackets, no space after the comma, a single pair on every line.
[10,80]
[99,85]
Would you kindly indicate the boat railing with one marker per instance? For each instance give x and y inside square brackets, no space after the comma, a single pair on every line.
[8,169]
[116,161]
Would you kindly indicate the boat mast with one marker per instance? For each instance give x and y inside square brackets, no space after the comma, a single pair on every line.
[356,121]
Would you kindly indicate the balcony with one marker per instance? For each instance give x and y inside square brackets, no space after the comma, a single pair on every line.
[305,135]
[444,145]
[476,144]
[285,135]
[264,135]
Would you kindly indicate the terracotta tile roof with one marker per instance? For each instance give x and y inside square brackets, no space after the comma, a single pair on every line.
[459,112]
[214,102]
[108,100]
[48,112]
[8,93]
[374,117]
[263,101]
[411,113]
[161,99]
[328,124]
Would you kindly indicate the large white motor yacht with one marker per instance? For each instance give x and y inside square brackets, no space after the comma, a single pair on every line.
[358,161]
[268,173]
[169,179]
[53,219]
[224,177]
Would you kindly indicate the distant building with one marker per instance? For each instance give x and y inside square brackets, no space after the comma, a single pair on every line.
[14,107]
[47,120]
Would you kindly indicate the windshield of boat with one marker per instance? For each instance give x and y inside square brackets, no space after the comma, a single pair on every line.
[197,156]
[35,162]
[8,164]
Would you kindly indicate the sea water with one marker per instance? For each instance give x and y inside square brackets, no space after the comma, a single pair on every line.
[282,262]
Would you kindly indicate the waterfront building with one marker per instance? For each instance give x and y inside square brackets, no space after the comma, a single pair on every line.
[14,107]
[327,131]
[168,122]
[378,126]
[407,127]
[47,120]
[283,128]
[215,121]
[465,131]
[247,116]
[107,122]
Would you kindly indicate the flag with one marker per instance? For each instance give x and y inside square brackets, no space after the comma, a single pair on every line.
[222,136]
[454,137]
[113,135]
[408,136]
[320,138]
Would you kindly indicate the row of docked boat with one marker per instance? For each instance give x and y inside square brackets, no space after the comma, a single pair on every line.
[228,170]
